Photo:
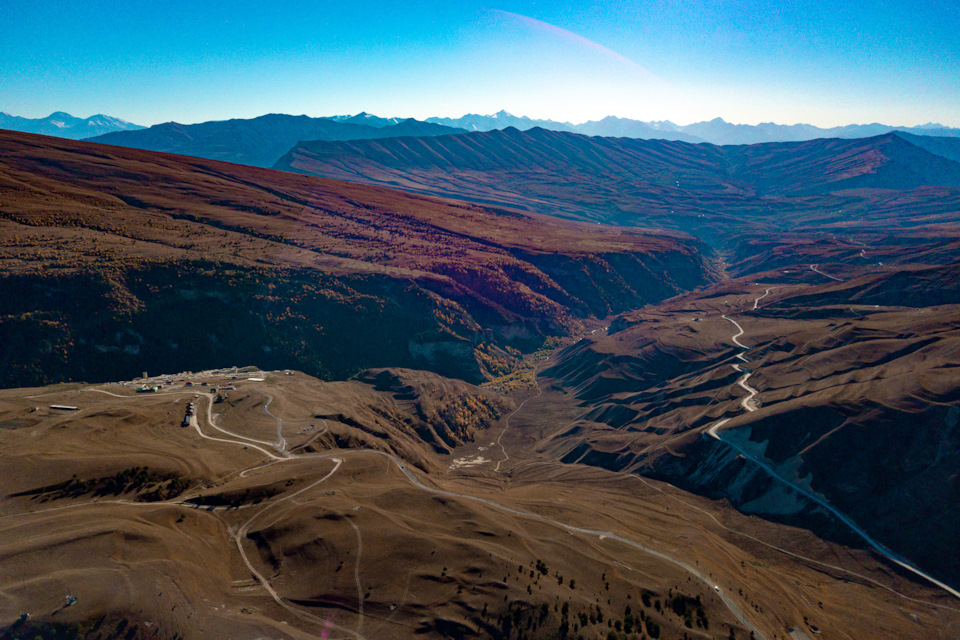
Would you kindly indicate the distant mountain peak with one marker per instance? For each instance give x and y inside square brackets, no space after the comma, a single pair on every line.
[63,125]
[261,141]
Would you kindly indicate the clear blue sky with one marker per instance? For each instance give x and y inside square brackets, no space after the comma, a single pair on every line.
[748,61]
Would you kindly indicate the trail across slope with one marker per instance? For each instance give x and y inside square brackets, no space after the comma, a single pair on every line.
[748,405]
[813,268]
[241,533]
[506,421]
[415,481]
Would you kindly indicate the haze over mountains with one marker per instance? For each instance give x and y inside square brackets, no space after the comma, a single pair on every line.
[716,131]
[710,191]
[259,142]
[64,125]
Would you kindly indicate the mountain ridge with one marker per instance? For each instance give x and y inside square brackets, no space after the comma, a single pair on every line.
[313,274]
[257,142]
[710,191]
[716,131]
[63,125]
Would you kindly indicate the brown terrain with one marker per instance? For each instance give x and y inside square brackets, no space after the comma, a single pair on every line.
[666,442]
[261,141]
[295,508]
[121,260]
[722,195]
[856,401]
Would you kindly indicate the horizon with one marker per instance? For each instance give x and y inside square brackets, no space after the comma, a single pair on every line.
[928,123]
[891,63]
[656,335]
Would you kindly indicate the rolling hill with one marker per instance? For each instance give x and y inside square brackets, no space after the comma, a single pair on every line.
[720,194]
[847,390]
[752,431]
[293,507]
[120,260]
[666,441]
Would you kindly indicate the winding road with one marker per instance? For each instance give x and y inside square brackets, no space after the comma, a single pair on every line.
[241,533]
[338,458]
[416,482]
[748,405]
[813,268]
[765,294]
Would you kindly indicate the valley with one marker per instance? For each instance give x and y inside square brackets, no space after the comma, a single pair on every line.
[301,540]
[98,243]
[506,385]
[658,340]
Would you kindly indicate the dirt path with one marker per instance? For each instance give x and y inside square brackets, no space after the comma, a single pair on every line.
[506,421]
[748,405]
[813,268]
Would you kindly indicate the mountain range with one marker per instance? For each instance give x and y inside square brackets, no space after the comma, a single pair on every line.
[557,385]
[259,142]
[713,192]
[64,125]
[716,131]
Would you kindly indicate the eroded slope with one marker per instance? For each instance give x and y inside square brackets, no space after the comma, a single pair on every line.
[848,390]
[119,261]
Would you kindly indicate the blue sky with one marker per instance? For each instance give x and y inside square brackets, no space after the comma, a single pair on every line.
[746,61]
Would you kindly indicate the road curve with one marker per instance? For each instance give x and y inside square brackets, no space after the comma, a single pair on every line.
[813,268]
[748,405]
[241,533]
[281,444]
[765,294]
[737,335]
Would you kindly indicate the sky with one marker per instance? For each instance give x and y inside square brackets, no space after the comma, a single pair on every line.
[746,61]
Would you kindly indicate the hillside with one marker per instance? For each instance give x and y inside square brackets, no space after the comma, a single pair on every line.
[119,261]
[847,389]
[946,146]
[258,142]
[296,508]
[512,425]
[716,193]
